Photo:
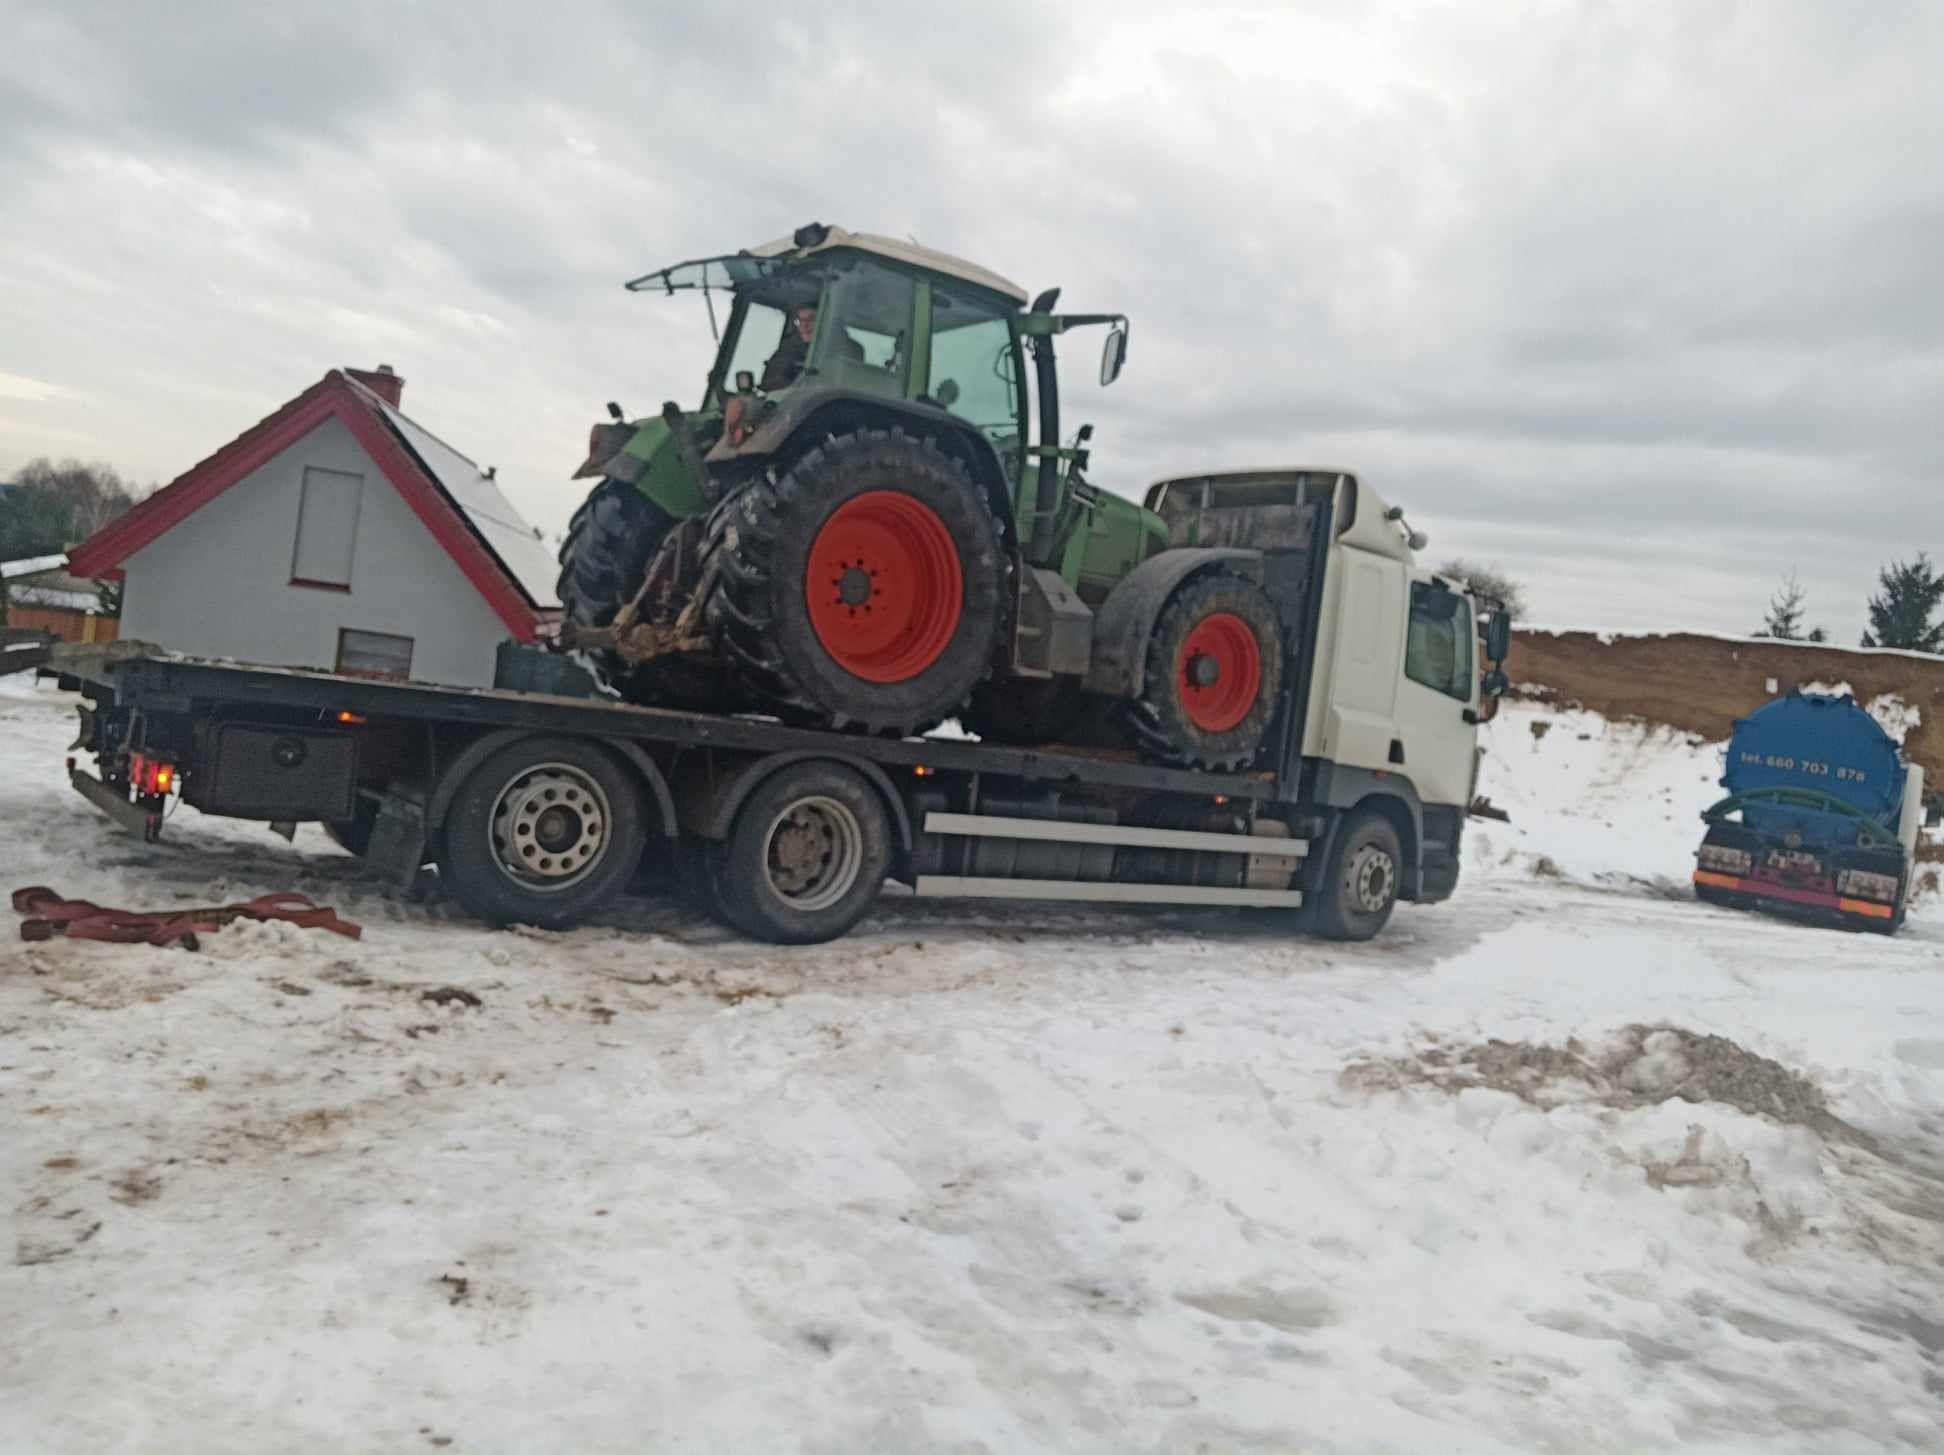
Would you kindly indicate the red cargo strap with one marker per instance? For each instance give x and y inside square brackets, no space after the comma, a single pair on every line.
[49,915]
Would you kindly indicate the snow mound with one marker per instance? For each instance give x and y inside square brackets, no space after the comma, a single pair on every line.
[1641,1066]
[1611,804]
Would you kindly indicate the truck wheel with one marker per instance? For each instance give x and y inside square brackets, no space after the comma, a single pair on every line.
[604,560]
[544,832]
[1358,891]
[863,588]
[806,856]
[1214,667]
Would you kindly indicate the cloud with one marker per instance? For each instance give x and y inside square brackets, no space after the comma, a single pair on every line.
[1639,300]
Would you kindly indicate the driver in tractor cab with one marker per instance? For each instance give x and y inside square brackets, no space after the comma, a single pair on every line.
[786,364]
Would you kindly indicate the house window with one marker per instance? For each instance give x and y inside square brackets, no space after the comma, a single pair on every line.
[327,528]
[374,654]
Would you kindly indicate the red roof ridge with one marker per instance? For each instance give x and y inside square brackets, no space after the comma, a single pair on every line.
[335,395]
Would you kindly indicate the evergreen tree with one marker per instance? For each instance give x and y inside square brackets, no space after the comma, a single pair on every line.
[1900,615]
[1784,620]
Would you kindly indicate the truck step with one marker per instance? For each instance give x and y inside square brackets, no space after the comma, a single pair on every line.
[993,826]
[952,886]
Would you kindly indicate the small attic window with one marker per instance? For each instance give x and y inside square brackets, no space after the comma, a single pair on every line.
[374,654]
[327,528]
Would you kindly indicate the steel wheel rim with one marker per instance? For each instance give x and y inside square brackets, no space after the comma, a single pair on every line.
[551,827]
[1372,874]
[813,852]
[1226,644]
[884,587]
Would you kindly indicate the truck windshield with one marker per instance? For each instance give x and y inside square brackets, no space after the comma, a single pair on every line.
[1438,646]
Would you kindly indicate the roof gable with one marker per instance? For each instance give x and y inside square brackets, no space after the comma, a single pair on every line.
[508,588]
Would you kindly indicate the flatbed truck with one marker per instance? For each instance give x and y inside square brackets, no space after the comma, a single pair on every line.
[541,807]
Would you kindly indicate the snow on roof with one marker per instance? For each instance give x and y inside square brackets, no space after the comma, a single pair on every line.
[485,506]
[54,596]
[31,566]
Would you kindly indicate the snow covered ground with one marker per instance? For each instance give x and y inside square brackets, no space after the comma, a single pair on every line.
[1571,1163]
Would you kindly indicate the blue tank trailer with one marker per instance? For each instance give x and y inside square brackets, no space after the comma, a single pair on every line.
[1821,818]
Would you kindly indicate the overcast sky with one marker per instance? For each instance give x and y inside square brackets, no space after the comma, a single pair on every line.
[1640,301]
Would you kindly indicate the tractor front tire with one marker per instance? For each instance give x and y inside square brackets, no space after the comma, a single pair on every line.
[603,562]
[1214,668]
[863,588]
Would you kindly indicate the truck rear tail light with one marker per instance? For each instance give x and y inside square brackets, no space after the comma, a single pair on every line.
[1725,860]
[1864,884]
[149,776]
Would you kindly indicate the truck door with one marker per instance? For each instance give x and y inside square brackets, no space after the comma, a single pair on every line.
[1363,661]
[1437,698]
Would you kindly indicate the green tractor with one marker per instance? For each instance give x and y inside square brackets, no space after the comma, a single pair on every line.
[872,523]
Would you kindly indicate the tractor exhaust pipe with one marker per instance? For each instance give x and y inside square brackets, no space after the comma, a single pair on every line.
[1046,490]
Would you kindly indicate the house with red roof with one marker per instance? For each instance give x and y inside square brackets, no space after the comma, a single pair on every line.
[336,533]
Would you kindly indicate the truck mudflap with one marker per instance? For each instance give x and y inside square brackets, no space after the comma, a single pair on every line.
[1870,909]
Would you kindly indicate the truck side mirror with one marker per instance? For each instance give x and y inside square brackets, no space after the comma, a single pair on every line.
[1498,635]
[1113,355]
[745,381]
[1494,683]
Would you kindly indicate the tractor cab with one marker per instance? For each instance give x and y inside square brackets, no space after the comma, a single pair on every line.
[855,323]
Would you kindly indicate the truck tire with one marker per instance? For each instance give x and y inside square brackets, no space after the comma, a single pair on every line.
[1357,892]
[806,856]
[1214,669]
[863,588]
[544,832]
[603,562]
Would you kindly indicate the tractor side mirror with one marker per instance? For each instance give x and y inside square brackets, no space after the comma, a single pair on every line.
[745,381]
[1498,635]
[1113,355]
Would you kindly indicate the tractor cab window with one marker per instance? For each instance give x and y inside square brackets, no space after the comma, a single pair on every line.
[974,369]
[758,337]
[863,328]
[1438,646]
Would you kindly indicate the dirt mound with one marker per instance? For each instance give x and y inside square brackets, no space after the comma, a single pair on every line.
[1701,684]
[1642,1066]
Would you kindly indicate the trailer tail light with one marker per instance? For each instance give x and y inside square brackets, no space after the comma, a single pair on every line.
[1863,884]
[149,776]
[1725,860]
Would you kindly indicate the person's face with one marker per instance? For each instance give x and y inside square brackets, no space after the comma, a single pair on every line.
[806,323]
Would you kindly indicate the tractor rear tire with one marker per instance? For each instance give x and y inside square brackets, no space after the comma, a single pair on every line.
[1214,669]
[603,561]
[863,588]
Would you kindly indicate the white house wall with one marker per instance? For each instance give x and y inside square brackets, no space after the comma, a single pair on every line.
[218,583]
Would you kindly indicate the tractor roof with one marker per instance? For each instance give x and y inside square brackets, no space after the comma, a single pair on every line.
[897,249]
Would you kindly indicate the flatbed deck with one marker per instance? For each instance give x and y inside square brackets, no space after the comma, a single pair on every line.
[157,678]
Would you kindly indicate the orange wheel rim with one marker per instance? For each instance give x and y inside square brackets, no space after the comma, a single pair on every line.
[883,586]
[1219,669]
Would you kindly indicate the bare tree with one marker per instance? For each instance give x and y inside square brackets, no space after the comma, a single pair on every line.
[1486,580]
[93,494]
